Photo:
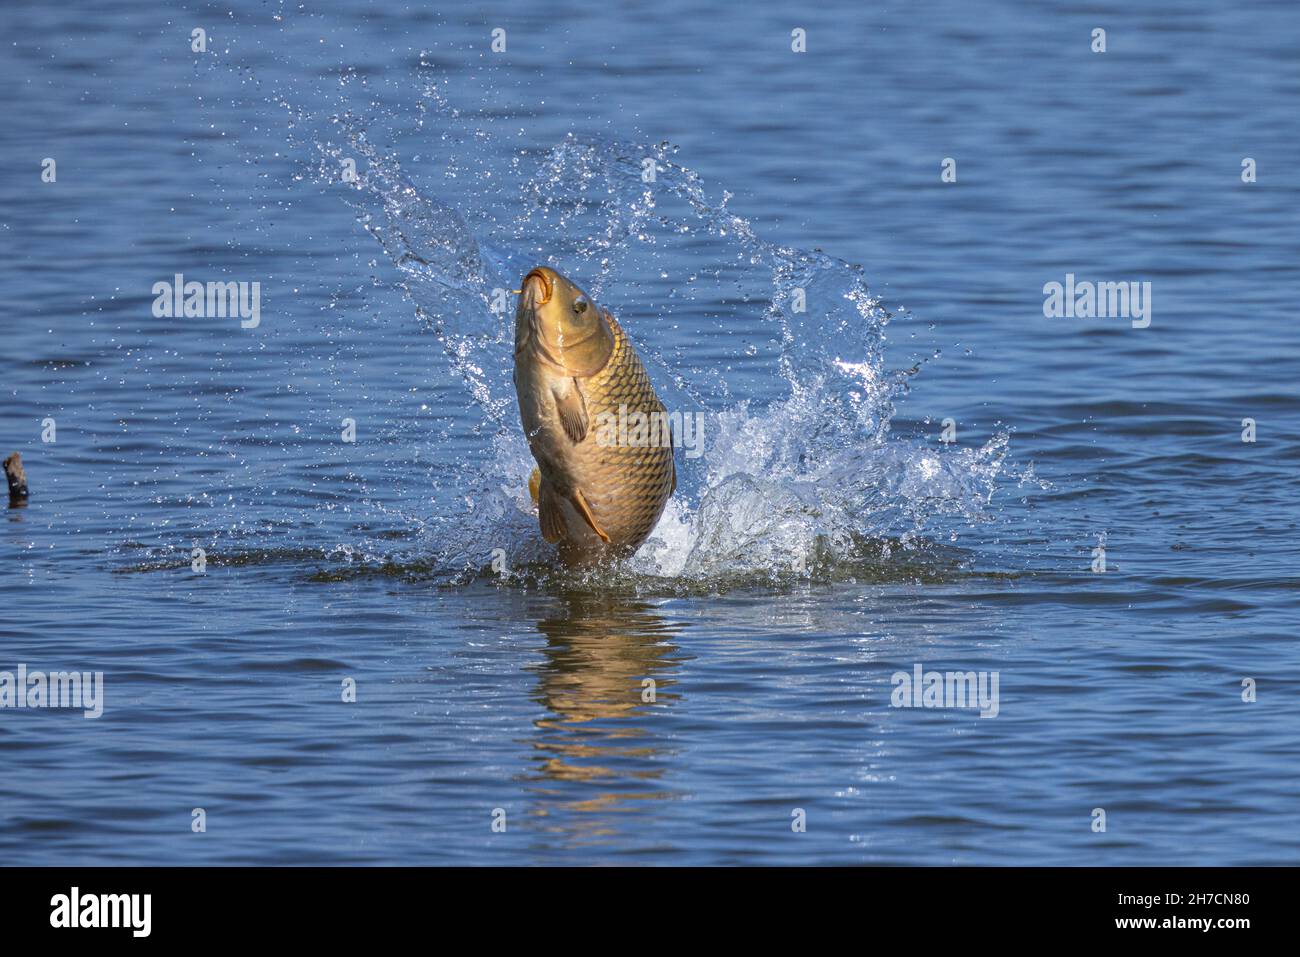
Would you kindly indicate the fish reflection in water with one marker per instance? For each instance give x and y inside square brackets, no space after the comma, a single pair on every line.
[608,667]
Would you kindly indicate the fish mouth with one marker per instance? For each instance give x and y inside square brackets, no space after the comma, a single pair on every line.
[547,287]
[535,290]
[531,295]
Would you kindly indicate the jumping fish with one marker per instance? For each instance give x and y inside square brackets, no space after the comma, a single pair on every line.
[598,495]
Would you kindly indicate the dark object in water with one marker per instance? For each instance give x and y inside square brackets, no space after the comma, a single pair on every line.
[17,480]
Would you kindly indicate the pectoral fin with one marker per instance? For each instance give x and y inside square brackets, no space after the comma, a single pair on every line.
[572,407]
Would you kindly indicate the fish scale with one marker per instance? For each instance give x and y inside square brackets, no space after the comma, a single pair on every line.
[627,486]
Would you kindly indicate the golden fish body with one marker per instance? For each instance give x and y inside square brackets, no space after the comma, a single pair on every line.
[599,485]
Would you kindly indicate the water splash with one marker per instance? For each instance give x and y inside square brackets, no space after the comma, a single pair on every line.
[800,476]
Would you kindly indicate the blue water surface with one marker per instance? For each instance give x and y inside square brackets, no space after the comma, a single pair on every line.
[736,679]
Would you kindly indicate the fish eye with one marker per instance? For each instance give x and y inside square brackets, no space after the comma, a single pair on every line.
[580,305]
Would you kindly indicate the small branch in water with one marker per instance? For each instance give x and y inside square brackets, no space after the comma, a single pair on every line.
[17,480]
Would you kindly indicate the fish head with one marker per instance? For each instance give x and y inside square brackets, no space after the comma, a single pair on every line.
[558,323]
